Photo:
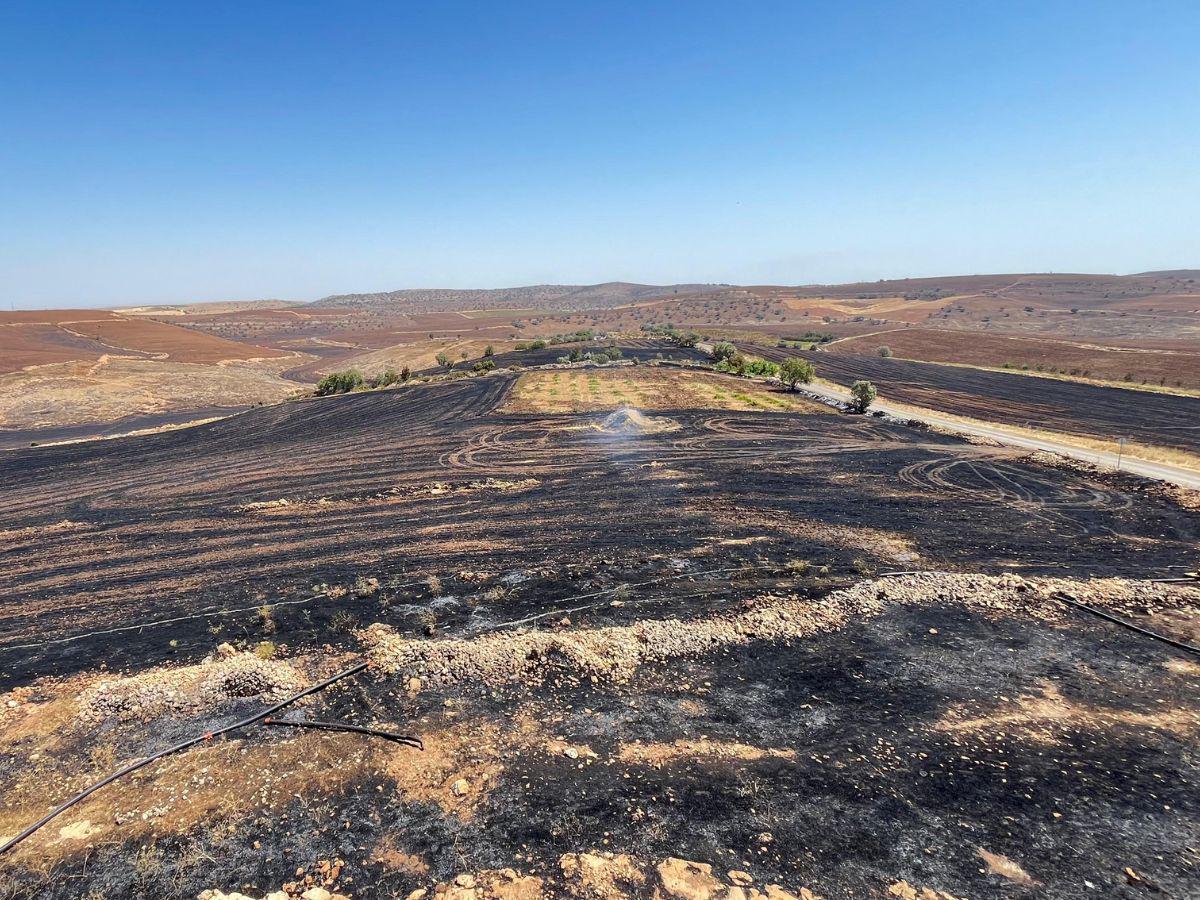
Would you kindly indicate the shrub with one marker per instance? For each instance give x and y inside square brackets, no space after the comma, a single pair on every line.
[489,350]
[796,371]
[734,365]
[864,395]
[444,361]
[385,378]
[885,352]
[405,374]
[339,383]
[539,344]
[484,365]
[762,368]
[721,351]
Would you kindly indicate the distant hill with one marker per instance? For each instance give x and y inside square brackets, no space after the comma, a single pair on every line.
[1183,274]
[538,296]
[207,308]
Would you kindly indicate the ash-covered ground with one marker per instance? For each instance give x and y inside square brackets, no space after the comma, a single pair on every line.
[633,648]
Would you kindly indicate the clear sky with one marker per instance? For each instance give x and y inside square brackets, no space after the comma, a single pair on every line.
[173,151]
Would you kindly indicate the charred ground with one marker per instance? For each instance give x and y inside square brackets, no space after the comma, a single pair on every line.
[896,747]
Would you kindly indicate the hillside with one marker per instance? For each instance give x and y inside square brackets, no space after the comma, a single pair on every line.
[540,296]
[1140,329]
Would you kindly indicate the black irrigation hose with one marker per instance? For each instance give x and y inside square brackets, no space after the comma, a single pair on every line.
[357,729]
[1071,601]
[190,742]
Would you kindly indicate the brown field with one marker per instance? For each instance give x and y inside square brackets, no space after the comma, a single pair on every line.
[38,338]
[1172,368]
[596,390]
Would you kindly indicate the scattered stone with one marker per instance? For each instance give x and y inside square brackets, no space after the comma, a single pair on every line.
[686,880]
[601,877]
[613,654]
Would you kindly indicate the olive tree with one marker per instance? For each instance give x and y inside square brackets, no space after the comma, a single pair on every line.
[796,371]
[864,395]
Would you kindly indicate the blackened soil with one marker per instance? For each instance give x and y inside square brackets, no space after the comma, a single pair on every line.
[903,745]
[1164,420]
[114,550]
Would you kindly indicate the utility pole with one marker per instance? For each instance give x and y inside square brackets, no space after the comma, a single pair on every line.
[1120,451]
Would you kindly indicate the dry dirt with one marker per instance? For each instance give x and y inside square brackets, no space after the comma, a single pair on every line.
[113,388]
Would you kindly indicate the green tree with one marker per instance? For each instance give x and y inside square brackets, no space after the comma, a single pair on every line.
[444,361]
[796,371]
[885,352]
[489,350]
[484,365]
[864,395]
[722,350]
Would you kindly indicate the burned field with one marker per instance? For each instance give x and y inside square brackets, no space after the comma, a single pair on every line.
[1154,419]
[659,637]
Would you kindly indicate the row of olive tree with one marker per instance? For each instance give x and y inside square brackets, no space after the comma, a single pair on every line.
[791,371]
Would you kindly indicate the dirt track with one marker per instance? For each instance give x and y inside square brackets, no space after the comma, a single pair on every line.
[1163,420]
[865,754]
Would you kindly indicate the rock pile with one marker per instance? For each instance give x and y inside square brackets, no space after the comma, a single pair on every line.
[613,654]
[608,876]
[228,675]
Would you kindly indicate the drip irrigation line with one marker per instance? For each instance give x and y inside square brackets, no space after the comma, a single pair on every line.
[561,612]
[200,615]
[1071,601]
[341,726]
[183,745]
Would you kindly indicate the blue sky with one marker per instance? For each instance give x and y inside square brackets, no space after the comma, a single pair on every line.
[165,152]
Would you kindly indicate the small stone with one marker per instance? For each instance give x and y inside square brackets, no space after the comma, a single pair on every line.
[461,787]
[571,753]
[465,880]
[418,894]
[316,893]
[740,878]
